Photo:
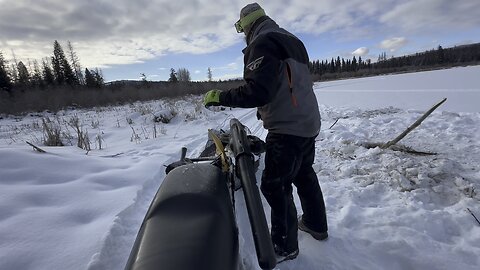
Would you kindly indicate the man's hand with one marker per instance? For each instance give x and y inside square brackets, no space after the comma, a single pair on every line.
[212,98]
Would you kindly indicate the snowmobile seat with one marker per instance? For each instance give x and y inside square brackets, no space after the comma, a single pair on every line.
[189,225]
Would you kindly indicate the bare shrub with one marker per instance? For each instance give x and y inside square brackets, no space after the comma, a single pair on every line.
[99,141]
[83,141]
[51,133]
[135,137]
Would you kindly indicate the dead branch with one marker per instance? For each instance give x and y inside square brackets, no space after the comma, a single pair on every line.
[334,123]
[473,216]
[38,149]
[113,156]
[413,126]
[401,148]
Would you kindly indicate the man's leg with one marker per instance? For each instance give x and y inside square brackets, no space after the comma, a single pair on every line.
[309,191]
[276,186]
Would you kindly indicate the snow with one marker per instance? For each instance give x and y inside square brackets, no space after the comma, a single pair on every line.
[69,209]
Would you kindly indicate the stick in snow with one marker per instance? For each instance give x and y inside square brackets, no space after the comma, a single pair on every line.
[334,123]
[473,216]
[412,127]
[40,150]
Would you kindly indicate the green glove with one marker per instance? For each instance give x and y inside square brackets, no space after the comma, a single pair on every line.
[212,98]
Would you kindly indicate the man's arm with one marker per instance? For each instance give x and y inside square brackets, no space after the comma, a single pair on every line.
[261,74]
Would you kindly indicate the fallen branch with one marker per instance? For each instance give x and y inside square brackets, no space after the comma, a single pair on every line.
[473,216]
[334,123]
[412,127]
[401,148]
[38,149]
[112,156]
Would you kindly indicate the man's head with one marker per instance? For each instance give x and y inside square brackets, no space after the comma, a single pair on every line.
[248,15]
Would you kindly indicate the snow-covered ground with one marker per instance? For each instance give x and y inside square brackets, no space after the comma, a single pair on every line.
[68,209]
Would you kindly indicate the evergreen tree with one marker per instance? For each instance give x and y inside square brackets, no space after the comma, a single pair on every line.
[98,74]
[173,76]
[77,69]
[183,75]
[47,73]
[338,65]
[441,55]
[209,74]
[5,82]
[23,75]
[90,80]
[14,73]
[93,78]
[61,68]
[354,64]
[57,61]
[36,77]
[70,77]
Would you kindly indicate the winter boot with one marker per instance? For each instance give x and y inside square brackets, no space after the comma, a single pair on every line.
[282,255]
[317,235]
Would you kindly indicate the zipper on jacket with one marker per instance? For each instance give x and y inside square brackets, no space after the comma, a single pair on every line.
[290,85]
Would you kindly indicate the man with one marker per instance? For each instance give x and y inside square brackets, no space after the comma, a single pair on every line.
[278,82]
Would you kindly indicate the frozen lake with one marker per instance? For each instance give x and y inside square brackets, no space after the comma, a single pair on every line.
[418,91]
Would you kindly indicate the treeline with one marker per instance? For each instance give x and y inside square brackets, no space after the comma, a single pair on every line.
[59,70]
[59,82]
[357,67]
[113,93]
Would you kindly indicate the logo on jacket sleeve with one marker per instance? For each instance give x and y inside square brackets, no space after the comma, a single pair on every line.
[255,64]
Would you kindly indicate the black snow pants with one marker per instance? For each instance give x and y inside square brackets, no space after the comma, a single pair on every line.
[288,160]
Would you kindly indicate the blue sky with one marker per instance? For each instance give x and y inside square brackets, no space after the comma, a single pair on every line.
[126,38]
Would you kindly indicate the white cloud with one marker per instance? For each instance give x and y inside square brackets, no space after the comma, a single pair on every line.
[124,31]
[362,51]
[393,44]
[432,15]
[121,32]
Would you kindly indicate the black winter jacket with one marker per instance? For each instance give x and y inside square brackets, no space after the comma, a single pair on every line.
[278,82]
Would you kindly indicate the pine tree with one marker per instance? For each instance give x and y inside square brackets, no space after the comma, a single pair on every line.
[99,77]
[23,75]
[209,74]
[173,76]
[57,61]
[89,79]
[338,65]
[441,55]
[47,73]
[61,68]
[5,82]
[36,77]
[14,73]
[77,69]
[354,64]
[183,75]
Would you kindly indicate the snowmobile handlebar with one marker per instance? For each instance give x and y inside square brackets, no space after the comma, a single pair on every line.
[239,144]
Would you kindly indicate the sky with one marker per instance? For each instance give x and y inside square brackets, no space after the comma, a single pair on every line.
[127,38]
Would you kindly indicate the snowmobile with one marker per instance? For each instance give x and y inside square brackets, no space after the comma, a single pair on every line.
[191,223]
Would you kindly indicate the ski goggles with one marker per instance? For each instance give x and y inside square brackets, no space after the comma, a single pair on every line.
[249,19]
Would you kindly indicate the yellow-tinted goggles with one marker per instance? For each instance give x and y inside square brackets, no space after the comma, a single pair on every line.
[238,27]
[249,19]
